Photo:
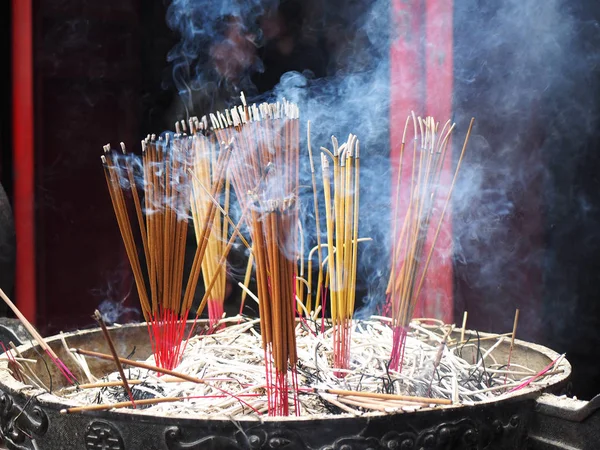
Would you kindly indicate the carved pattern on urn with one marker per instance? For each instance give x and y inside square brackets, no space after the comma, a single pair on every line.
[101,435]
[19,425]
[467,433]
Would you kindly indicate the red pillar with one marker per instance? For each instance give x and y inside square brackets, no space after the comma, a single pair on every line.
[422,81]
[23,166]
[437,300]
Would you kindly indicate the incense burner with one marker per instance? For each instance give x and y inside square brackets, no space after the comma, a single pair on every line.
[31,419]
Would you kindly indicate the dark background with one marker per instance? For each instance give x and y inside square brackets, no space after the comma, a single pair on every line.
[101,76]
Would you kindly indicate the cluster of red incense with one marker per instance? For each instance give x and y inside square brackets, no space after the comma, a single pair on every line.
[163,179]
[417,199]
[264,174]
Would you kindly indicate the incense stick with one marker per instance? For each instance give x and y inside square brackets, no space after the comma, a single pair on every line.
[266,142]
[417,196]
[464,325]
[156,369]
[40,340]
[162,224]
[232,359]
[98,318]
[512,341]
[205,182]
[309,305]
[129,362]
[341,213]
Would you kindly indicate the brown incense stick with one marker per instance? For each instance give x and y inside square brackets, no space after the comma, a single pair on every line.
[406,398]
[163,225]
[113,351]
[104,407]
[141,365]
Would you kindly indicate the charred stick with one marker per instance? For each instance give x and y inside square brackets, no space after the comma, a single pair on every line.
[98,318]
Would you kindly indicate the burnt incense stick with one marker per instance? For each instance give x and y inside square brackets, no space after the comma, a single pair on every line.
[486,338]
[145,402]
[381,396]
[512,342]
[98,318]
[464,325]
[340,392]
[309,306]
[156,369]
[514,332]
[104,407]
[228,360]
[131,382]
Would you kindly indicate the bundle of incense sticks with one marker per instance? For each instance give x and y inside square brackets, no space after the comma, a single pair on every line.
[341,213]
[205,181]
[163,179]
[419,199]
[264,174]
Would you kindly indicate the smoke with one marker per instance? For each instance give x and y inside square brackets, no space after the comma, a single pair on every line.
[113,298]
[351,95]
[216,48]
[519,68]
[168,175]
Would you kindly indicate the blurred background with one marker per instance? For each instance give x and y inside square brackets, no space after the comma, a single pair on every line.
[525,227]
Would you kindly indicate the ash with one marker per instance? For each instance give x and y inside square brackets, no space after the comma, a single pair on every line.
[231,361]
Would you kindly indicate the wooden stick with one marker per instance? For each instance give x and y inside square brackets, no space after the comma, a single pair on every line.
[149,401]
[464,325]
[406,398]
[103,407]
[132,382]
[141,365]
